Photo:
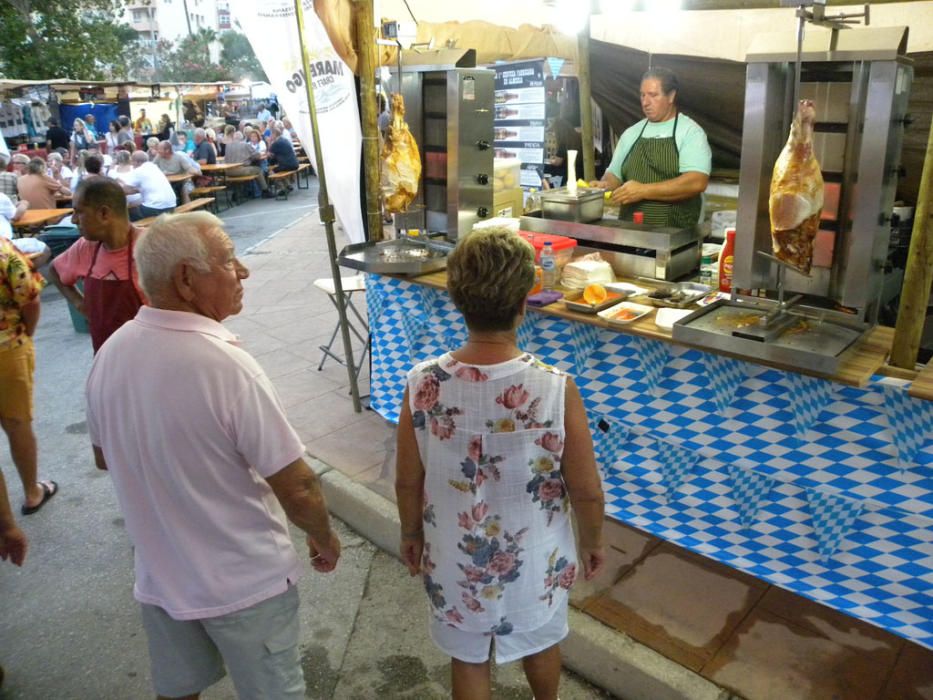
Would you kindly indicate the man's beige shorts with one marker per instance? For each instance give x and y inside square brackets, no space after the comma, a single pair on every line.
[17,367]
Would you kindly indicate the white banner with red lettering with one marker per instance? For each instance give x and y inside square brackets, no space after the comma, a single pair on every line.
[272,31]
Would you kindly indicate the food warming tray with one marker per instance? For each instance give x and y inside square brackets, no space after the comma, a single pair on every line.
[678,295]
[404,256]
[583,206]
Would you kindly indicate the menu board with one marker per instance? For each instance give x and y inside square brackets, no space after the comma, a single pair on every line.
[519,122]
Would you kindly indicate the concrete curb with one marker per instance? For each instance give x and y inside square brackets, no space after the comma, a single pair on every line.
[603,656]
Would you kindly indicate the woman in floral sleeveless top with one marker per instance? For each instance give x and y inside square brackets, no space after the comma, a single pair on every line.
[493,450]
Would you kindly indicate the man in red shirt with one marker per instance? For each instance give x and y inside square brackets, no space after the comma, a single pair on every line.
[102,258]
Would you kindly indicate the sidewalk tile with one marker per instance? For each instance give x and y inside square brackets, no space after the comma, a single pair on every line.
[769,658]
[679,604]
[624,547]
[844,630]
[913,675]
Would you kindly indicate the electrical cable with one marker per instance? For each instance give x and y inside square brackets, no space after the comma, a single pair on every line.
[410,12]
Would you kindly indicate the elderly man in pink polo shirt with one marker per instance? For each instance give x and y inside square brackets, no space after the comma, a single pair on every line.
[206,469]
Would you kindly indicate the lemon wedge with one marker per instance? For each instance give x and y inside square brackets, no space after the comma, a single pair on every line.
[595,294]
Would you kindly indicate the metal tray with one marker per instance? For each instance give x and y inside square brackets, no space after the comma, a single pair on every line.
[583,307]
[399,257]
[811,344]
[584,206]
[683,295]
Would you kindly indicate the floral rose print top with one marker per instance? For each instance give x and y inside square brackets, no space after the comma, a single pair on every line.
[499,549]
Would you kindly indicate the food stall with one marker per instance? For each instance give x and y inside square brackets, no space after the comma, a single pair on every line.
[804,465]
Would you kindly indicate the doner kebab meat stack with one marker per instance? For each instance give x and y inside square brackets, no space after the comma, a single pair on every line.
[797,193]
[401,162]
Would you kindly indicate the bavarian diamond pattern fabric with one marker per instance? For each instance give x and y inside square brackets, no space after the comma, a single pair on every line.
[808,397]
[585,341]
[782,437]
[724,375]
[528,330]
[676,464]
[910,420]
[375,298]
[609,438]
[749,490]
[833,517]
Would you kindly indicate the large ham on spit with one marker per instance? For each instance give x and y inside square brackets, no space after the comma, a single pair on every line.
[797,193]
[401,161]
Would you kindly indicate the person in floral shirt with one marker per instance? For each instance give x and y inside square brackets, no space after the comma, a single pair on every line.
[19,314]
[493,450]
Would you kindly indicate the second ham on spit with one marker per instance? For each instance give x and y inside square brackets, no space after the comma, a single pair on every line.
[797,193]
[401,161]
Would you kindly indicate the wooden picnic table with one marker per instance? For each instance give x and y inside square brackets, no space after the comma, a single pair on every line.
[34,218]
[219,168]
[179,177]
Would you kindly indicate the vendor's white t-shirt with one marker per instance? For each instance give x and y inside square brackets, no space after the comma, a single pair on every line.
[692,146]
[156,190]
[191,428]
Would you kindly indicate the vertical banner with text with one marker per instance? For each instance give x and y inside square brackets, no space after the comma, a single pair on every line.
[272,31]
[520,120]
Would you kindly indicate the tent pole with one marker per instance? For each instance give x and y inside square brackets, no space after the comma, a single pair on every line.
[586,105]
[365,50]
[327,213]
[918,276]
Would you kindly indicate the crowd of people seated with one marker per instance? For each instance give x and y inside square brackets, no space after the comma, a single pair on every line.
[41,183]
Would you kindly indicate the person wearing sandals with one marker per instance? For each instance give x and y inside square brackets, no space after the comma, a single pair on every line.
[20,285]
[494,455]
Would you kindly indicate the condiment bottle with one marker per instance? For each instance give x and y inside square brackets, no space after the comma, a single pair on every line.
[726,262]
[548,266]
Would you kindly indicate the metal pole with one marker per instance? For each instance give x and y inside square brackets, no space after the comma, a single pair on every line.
[363,10]
[586,105]
[918,276]
[327,211]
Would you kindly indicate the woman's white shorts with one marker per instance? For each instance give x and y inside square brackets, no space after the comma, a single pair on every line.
[473,647]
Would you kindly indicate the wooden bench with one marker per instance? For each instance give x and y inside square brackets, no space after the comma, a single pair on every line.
[239,183]
[194,205]
[304,168]
[212,192]
[280,178]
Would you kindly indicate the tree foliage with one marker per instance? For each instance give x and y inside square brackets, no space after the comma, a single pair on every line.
[237,56]
[190,60]
[77,39]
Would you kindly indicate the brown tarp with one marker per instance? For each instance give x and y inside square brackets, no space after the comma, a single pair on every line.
[711,91]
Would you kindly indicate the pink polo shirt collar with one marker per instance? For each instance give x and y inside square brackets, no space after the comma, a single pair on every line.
[185,322]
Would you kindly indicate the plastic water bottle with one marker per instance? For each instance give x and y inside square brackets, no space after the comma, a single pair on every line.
[548,266]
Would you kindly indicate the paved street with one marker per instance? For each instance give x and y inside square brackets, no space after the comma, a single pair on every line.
[68,625]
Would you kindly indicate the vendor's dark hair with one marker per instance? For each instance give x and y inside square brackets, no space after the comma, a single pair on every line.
[665,76]
[489,274]
[102,192]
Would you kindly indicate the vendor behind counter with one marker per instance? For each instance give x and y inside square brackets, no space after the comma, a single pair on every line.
[661,165]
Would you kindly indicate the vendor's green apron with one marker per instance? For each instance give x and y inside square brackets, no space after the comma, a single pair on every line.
[655,160]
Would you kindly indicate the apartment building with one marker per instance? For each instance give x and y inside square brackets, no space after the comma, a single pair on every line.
[172,20]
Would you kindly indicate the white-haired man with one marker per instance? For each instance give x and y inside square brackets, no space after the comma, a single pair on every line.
[206,471]
[204,153]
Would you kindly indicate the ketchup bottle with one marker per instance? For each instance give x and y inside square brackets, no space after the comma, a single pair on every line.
[726,262]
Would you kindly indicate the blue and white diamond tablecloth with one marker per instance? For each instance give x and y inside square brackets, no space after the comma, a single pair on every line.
[822,489]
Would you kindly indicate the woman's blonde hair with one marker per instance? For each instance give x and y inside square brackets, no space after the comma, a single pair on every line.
[489,274]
